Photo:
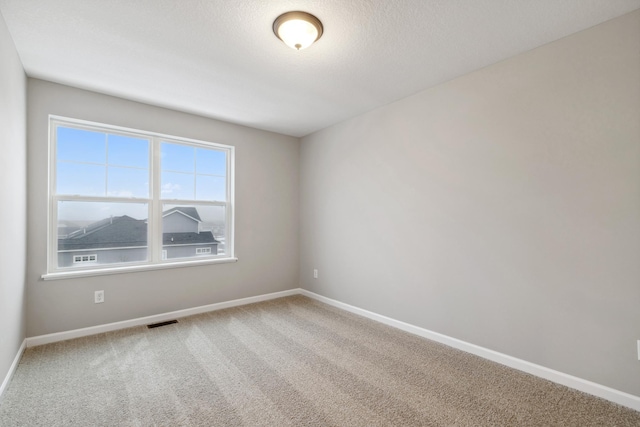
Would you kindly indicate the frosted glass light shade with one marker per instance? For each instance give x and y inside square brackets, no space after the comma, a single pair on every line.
[297,30]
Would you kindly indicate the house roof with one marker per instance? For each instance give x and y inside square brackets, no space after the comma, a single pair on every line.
[124,231]
[185,210]
[114,232]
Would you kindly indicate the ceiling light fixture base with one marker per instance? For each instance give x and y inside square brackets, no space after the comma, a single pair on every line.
[297,29]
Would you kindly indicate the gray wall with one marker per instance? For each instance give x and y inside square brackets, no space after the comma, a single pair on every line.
[501,208]
[13,199]
[266,218]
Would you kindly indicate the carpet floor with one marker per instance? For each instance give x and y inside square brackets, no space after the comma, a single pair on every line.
[287,362]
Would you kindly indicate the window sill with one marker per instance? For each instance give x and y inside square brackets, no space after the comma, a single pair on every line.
[132,269]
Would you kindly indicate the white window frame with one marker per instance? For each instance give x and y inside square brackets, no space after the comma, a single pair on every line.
[203,251]
[156,254]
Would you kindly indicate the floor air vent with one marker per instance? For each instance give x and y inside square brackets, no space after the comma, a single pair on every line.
[157,325]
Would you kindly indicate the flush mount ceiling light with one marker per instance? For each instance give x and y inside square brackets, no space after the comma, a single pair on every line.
[297,29]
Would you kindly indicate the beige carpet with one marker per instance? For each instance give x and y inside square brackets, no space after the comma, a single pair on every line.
[287,362]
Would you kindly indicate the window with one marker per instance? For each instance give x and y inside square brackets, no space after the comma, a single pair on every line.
[128,198]
[85,258]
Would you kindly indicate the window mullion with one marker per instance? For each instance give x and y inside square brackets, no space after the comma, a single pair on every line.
[106,164]
[70,198]
[155,209]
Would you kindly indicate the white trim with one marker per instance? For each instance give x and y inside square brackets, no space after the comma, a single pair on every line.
[607,393]
[134,268]
[12,369]
[230,208]
[92,330]
[154,200]
[589,387]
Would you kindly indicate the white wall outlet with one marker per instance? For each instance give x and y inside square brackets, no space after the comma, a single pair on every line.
[315,273]
[99,297]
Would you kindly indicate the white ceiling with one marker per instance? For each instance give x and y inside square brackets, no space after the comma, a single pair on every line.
[220,58]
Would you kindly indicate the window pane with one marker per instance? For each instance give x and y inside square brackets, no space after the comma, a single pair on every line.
[177,157]
[80,179]
[127,182]
[101,233]
[177,186]
[211,162]
[128,151]
[193,231]
[210,188]
[104,188]
[80,145]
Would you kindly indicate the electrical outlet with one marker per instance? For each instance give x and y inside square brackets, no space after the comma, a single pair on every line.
[315,273]
[99,297]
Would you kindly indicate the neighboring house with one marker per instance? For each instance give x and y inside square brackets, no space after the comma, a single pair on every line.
[124,239]
[182,235]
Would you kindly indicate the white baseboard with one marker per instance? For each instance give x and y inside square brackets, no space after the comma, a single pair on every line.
[93,330]
[13,368]
[610,394]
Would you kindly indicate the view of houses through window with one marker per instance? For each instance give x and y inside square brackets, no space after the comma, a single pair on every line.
[121,197]
[123,238]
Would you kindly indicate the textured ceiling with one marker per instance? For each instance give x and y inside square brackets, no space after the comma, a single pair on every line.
[220,58]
